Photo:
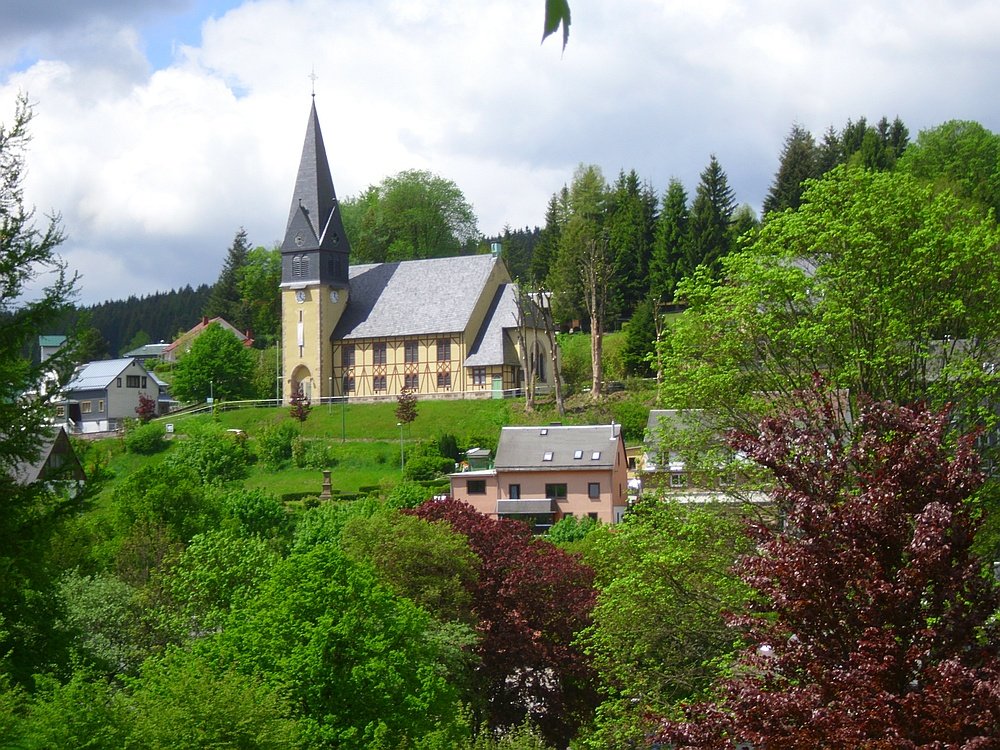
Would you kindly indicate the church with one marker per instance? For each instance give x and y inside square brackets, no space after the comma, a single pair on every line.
[441,327]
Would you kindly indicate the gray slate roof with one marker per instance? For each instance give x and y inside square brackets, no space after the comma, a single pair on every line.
[414,297]
[97,375]
[572,447]
[148,350]
[493,346]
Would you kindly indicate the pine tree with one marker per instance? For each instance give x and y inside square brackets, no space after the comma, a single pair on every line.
[226,301]
[548,241]
[711,216]
[798,163]
[669,248]
[630,227]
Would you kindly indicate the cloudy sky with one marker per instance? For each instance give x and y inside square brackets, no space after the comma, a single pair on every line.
[163,126]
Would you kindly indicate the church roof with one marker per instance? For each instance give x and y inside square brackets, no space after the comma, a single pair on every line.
[314,220]
[493,346]
[414,297]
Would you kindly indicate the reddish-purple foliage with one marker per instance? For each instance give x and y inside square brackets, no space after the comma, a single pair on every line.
[531,598]
[146,409]
[298,405]
[871,628]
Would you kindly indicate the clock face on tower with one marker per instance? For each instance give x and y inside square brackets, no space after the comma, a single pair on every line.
[334,295]
[300,296]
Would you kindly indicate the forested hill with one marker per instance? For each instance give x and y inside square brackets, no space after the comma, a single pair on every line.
[125,324]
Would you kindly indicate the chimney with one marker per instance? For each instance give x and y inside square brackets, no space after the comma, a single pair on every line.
[204,320]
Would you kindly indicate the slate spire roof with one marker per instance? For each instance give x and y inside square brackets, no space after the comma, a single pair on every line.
[314,221]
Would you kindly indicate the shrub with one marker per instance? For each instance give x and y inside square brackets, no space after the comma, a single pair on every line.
[146,439]
[571,529]
[214,454]
[407,495]
[299,451]
[427,467]
[257,513]
[274,444]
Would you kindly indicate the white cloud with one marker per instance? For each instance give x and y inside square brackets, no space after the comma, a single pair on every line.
[154,171]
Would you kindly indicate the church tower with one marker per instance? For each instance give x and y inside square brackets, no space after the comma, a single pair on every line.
[314,265]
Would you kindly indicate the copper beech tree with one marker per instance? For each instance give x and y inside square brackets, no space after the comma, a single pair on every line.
[530,599]
[871,626]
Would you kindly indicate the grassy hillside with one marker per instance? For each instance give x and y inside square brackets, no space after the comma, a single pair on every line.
[363,442]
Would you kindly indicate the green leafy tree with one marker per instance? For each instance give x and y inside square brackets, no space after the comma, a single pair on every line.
[872,282]
[257,281]
[353,657]
[587,202]
[659,633]
[226,300]
[217,363]
[960,155]
[414,214]
[183,701]
[427,563]
[214,455]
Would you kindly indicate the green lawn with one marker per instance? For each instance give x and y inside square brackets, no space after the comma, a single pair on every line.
[363,438]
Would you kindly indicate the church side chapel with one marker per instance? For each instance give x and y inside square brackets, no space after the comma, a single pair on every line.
[442,327]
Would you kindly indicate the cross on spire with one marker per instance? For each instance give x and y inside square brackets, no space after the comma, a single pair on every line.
[312,77]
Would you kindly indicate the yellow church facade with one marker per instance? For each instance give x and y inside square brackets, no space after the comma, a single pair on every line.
[441,327]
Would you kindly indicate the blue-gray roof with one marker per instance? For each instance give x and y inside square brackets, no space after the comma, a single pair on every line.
[493,345]
[414,297]
[97,375]
[558,447]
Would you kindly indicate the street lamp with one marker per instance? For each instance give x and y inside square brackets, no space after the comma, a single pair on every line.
[400,426]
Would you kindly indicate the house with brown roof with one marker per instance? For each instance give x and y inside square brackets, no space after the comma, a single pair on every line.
[182,343]
[544,474]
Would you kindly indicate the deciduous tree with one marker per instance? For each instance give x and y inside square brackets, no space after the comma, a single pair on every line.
[218,364]
[531,599]
[414,214]
[878,281]
[870,626]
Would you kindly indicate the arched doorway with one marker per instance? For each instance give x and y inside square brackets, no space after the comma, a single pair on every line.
[301,377]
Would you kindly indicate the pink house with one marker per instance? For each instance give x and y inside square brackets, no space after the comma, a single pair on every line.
[543,474]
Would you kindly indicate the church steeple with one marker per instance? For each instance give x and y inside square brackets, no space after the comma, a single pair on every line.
[315,248]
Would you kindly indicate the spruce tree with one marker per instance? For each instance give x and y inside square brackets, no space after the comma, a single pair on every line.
[670,245]
[226,301]
[711,216]
[548,241]
[799,162]
[630,227]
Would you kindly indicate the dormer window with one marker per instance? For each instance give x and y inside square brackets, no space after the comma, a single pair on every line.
[578,455]
[595,456]
[543,431]
[547,456]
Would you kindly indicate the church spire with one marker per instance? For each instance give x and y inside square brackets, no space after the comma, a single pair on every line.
[314,224]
